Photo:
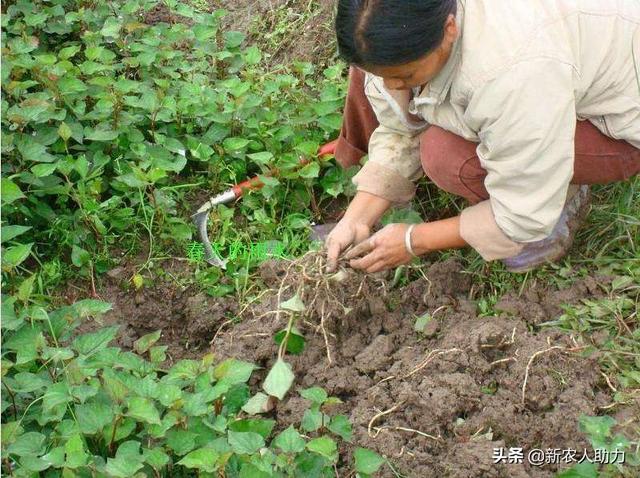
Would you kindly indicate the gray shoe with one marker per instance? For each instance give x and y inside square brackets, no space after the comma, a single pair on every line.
[557,245]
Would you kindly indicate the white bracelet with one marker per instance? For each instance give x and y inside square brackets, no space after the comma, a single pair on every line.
[407,240]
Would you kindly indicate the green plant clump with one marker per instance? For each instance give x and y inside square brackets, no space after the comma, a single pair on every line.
[107,121]
[77,407]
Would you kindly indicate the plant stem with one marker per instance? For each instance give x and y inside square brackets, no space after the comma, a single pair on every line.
[285,339]
[13,400]
[113,434]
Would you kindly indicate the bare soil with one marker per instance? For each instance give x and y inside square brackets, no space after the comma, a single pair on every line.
[436,403]
[286,30]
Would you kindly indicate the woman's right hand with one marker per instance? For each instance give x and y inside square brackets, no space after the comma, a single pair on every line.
[346,233]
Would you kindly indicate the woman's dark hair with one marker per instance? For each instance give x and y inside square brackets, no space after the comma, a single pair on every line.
[390,32]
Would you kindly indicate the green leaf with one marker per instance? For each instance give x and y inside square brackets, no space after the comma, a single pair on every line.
[331,122]
[157,458]
[289,441]
[35,152]
[324,446]
[9,432]
[181,441]
[597,429]
[76,456]
[308,148]
[88,344]
[146,341]
[157,354]
[26,341]
[55,457]
[249,470]
[245,442]
[421,322]
[315,394]
[262,157]
[279,379]
[294,304]
[14,256]
[235,144]
[295,341]
[42,170]
[100,134]
[128,460]
[233,371]
[79,256]
[94,417]
[310,465]
[25,289]
[115,387]
[143,409]
[68,52]
[313,419]
[233,39]
[341,426]
[27,382]
[11,232]
[70,85]
[164,159]
[235,397]
[324,108]
[91,308]
[204,459]
[111,27]
[10,191]
[33,463]
[57,394]
[169,394]
[35,19]
[252,55]
[189,369]
[260,426]
[64,131]
[9,319]
[259,403]
[203,32]
[367,461]
[196,404]
[311,170]
[31,443]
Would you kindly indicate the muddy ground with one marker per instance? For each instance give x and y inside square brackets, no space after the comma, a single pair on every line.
[451,393]
[286,30]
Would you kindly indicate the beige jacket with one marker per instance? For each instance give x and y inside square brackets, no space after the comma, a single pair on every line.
[520,74]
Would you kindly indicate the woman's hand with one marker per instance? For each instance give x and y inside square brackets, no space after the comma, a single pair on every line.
[384,250]
[346,233]
[363,212]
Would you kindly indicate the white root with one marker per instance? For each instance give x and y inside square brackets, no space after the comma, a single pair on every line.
[430,357]
[405,429]
[380,415]
[526,372]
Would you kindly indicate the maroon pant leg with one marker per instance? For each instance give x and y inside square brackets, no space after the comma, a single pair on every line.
[358,123]
[452,164]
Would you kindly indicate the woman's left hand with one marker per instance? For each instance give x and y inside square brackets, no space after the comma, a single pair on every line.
[383,250]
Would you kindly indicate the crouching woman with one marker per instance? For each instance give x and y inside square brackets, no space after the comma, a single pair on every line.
[515,106]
